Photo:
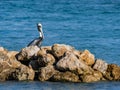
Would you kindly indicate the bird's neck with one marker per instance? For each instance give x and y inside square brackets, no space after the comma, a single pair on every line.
[41,33]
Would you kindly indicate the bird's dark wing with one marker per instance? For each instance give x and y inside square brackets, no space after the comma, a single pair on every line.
[35,42]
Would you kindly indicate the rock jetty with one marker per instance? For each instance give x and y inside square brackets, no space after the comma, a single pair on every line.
[59,62]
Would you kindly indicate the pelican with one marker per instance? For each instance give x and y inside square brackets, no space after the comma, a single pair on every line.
[37,41]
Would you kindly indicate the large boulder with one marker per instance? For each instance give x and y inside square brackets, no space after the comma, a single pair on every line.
[60,49]
[12,59]
[27,53]
[3,56]
[11,54]
[45,73]
[113,72]
[5,70]
[43,59]
[65,77]
[77,53]
[71,63]
[10,68]
[46,49]
[100,65]
[23,73]
[87,57]
[7,65]
[95,76]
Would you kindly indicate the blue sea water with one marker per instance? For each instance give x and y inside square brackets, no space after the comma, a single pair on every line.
[84,24]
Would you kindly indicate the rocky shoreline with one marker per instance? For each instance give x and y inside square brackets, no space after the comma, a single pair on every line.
[58,62]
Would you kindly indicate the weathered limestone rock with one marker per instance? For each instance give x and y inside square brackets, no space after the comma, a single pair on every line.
[27,53]
[57,63]
[12,59]
[46,49]
[59,49]
[45,73]
[10,68]
[77,53]
[100,65]
[87,57]
[113,72]
[43,59]
[11,54]
[95,76]
[5,70]
[23,73]
[6,66]
[65,77]
[35,63]
[3,56]
[71,63]
[46,59]
[3,50]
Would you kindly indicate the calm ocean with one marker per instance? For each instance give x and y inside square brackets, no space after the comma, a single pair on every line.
[84,24]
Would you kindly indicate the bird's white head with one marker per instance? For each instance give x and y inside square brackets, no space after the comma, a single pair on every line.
[39,25]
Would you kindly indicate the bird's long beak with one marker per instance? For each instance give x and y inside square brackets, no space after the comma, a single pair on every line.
[39,28]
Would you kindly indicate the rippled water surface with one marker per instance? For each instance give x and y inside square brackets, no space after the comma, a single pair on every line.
[84,24]
[36,85]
